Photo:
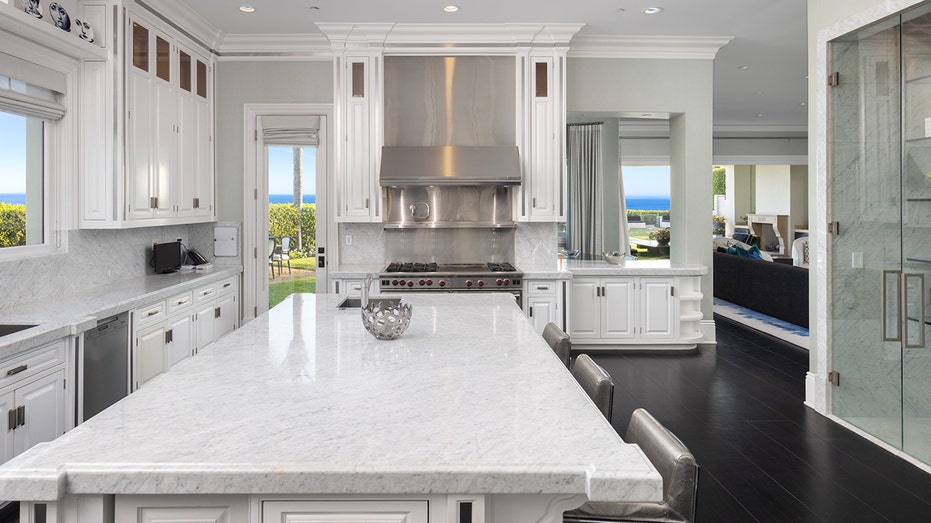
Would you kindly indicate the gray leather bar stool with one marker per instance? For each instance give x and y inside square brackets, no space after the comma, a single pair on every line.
[558,340]
[596,382]
[675,464]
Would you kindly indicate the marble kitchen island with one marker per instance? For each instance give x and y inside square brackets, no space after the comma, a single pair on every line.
[467,417]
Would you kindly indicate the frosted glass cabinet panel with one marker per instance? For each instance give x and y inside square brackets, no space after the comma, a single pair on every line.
[880,194]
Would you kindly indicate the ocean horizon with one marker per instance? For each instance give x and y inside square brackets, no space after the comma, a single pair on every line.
[289,198]
[647,203]
[14,198]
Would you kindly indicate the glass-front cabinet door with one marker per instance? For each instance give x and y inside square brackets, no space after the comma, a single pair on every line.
[880,261]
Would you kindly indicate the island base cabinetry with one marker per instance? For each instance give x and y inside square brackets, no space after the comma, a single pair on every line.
[635,312]
[375,508]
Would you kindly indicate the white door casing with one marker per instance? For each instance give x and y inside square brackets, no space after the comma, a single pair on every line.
[255,200]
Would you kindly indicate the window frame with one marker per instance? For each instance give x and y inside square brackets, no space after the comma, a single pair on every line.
[60,166]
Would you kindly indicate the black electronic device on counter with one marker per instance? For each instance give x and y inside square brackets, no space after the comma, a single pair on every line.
[166,257]
[195,257]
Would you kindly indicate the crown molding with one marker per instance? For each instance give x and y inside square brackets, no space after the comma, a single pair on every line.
[273,46]
[178,15]
[750,159]
[671,47]
[724,128]
[400,36]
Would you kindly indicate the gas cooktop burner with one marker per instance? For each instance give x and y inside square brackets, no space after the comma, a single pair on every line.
[412,267]
[501,267]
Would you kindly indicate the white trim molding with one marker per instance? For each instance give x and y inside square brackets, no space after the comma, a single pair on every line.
[738,159]
[268,46]
[708,331]
[673,47]
[179,15]
[403,36]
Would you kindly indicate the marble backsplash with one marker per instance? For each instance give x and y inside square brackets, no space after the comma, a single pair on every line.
[94,258]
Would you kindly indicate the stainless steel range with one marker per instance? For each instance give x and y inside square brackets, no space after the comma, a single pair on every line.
[452,277]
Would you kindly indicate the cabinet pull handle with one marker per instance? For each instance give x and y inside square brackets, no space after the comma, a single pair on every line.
[152,313]
[216,312]
[182,302]
[531,312]
[17,370]
[227,284]
[11,419]
[896,323]
[21,415]
[543,287]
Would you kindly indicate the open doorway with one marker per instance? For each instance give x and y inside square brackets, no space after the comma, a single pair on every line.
[285,208]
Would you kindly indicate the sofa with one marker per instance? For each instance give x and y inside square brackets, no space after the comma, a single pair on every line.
[774,289]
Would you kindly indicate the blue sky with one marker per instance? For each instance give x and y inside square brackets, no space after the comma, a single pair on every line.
[646,180]
[12,153]
[280,172]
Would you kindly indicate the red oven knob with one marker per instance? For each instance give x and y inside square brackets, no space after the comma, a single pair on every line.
[429,283]
[410,283]
[507,281]
[394,283]
[481,283]
[499,281]
[401,282]
[442,283]
[468,283]
[422,282]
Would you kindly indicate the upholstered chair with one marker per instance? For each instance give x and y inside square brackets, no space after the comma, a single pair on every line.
[675,464]
[800,252]
[596,382]
[558,340]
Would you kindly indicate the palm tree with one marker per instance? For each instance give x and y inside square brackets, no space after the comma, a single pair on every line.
[298,190]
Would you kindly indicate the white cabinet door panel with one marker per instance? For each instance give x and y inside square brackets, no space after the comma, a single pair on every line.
[7,425]
[139,144]
[387,511]
[181,346]
[184,515]
[657,309]
[150,355]
[542,310]
[618,316]
[585,313]
[206,325]
[43,401]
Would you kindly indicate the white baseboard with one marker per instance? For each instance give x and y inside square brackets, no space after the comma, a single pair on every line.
[817,392]
[708,331]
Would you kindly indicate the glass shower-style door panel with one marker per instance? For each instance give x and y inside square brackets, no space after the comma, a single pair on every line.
[916,231]
[865,197]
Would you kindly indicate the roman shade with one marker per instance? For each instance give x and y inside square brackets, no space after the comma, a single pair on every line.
[29,89]
[290,130]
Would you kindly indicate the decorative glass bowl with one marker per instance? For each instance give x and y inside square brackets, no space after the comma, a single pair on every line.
[386,319]
[614,258]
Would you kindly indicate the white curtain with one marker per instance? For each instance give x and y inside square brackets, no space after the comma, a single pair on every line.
[622,208]
[586,180]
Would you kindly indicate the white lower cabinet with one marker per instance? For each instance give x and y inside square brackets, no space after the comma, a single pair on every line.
[375,511]
[167,332]
[543,303]
[347,287]
[624,310]
[32,398]
[181,509]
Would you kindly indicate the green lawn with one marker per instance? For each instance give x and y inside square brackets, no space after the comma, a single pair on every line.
[278,291]
[644,253]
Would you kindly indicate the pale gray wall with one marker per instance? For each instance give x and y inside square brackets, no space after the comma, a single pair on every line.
[240,83]
[611,193]
[682,88]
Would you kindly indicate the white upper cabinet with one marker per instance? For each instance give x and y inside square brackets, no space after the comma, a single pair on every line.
[544,187]
[157,169]
[358,126]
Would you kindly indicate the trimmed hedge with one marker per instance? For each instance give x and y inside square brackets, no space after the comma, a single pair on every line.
[284,220]
[12,224]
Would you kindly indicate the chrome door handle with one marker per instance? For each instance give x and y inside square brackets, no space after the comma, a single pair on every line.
[884,320]
[921,311]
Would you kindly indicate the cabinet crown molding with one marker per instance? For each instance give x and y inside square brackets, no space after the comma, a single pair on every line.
[401,35]
[670,47]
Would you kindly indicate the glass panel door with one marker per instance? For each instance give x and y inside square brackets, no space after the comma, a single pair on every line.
[916,231]
[865,197]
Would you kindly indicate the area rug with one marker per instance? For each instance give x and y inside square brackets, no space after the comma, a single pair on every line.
[773,326]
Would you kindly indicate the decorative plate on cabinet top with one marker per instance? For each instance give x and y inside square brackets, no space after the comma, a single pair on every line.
[59,16]
[85,29]
[33,8]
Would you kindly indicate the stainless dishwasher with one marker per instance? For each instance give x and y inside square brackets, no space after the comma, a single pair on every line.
[105,369]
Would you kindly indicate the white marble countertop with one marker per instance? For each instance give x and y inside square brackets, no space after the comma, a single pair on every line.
[634,268]
[355,271]
[73,314]
[303,400]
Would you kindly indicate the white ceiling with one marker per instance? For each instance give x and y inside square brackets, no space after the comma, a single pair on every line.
[769,35]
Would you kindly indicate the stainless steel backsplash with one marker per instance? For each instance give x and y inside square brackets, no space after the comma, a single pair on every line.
[439,100]
[450,245]
[448,206]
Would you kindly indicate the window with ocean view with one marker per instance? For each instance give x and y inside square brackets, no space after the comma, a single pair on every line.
[22,180]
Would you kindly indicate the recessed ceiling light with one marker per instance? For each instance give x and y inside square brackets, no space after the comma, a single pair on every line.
[653,10]
[758,93]
[803,103]
[743,67]
[246,8]
[759,115]
[451,8]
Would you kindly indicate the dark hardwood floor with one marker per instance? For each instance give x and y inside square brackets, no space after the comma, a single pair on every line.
[764,455]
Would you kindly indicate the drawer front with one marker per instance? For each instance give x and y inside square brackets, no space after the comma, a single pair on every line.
[149,315]
[180,302]
[541,288]
[32,362]
[226,286]
[205,293]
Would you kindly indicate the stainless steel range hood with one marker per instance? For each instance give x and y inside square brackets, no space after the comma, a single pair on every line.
[449,165]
